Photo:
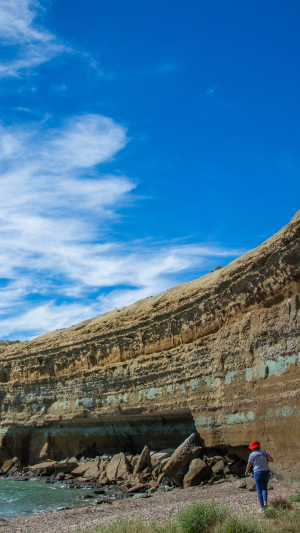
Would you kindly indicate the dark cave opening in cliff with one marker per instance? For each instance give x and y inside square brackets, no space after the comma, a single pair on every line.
[131,434]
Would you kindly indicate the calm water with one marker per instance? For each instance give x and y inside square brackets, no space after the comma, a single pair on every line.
[19,498]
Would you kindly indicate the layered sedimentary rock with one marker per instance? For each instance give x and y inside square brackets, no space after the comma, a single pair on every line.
[219,354]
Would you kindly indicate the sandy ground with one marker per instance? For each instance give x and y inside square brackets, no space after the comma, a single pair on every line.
[160,507]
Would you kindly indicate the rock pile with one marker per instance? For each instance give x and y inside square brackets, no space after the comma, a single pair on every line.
[189,465]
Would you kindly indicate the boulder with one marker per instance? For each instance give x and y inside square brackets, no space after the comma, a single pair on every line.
[153,483]
[93,470]
[198,471]
[158,457]
[211,461]
[218,467]
[124,487]
[144,460]
[160,478]
[118,467]
[46,468]
[66,467]
[140,487]
[7,465]
[12,463]
[177,465]
[155,472]
[103,479]
[227,471]
[80,470]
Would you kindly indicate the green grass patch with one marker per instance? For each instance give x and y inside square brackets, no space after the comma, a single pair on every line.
[135,525]
[200,517]
[235,524]
[295,497]
[285,522]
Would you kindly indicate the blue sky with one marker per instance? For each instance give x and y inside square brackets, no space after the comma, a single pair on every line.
[142,144]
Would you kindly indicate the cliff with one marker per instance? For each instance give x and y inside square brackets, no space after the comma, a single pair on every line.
[220,354]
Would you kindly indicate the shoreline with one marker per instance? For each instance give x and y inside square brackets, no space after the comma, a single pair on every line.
[160,507]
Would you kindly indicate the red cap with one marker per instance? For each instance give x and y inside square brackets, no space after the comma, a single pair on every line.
[254,444]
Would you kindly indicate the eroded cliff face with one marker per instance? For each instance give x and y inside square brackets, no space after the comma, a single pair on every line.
[220,354]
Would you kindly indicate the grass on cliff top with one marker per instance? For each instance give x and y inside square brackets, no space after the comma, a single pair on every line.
[204,517]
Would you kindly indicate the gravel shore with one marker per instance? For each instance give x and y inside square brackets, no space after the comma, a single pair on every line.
[160,507]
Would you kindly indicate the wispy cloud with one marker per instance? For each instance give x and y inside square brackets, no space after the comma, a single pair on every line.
[55,212]
[60,261]
[25,43]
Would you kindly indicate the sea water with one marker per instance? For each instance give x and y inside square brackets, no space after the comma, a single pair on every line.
[19,498]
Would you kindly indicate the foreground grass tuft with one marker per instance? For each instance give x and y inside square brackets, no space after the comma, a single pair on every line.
[280,502]
[284,522]
[200,516]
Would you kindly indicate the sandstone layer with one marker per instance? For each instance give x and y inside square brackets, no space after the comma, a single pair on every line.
[219,354]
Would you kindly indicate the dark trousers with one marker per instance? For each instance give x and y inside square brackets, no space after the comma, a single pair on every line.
[261,481]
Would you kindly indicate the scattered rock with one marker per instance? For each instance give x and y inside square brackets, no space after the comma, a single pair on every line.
[103,500]
[198,471]
[93,469]
[160,479]
[158,457]
[11,463]
[177,465]
[227,471]
[118,467]
[218,467]
[137,488]
[80,470]
[242,485]
[46,468]
[143,461]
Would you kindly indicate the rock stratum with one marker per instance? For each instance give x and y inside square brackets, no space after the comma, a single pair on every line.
[219,355]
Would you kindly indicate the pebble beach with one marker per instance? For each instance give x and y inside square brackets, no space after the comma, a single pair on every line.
[159,507]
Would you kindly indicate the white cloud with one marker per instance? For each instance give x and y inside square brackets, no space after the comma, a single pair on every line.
[56,212]
[27,44]
[46,317]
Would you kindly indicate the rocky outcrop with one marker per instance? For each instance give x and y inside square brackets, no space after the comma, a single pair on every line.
[218,355]
[180,470]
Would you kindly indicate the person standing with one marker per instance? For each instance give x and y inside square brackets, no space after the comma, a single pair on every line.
[260,459]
